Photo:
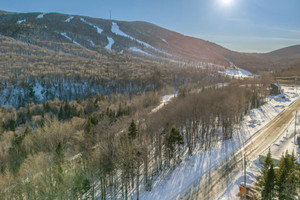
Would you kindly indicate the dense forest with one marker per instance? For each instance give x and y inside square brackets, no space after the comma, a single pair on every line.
[110,146]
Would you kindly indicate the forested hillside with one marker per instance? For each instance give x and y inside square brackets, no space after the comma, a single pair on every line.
[110,148]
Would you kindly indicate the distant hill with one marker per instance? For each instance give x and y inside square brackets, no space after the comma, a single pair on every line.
[139,39]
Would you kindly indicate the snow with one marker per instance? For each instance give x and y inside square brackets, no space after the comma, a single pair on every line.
[37,89]
[69,19]
[171,183]
[165,41]
[237,73]
[99,30]
[110,43]
[91,42]
[139,51]
[116,30]
[40,16]
[285,142]
[165,100]
[21,21]
[66,36]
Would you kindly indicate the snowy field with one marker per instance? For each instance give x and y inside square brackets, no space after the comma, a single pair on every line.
[237,73]
[171,183]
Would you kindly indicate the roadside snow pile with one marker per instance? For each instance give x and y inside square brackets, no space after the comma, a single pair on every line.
[99,30]
[21,21]
[69,19]
[110,43]
[171,183]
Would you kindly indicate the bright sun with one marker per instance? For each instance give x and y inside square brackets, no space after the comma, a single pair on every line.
[226,2]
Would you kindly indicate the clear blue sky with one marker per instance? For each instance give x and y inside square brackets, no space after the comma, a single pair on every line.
[242,25]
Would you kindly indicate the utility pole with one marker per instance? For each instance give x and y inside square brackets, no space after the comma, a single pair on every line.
[296,84]
[245,185]
[295,127]
[110,14]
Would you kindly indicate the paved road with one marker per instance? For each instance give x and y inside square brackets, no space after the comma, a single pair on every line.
[218,178]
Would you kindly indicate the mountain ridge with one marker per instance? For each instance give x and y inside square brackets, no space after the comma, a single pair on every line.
[135,38]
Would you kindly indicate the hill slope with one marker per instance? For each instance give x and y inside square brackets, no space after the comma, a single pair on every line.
[139,39]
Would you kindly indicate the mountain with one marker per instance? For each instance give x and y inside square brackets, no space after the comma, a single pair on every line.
[131,38]
[44,56]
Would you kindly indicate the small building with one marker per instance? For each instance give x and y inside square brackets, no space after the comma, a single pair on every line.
[276,89]
[250,192]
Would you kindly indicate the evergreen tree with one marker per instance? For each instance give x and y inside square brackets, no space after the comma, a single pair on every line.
[282,175]
[58,160]
[287,177]
[267,178]
[17,153]
[46,107]
[61,113]
[292,179]
[89,126]
[268,191]
[268,162]
[27,131]
[132,131]
[59,154]
[174,138]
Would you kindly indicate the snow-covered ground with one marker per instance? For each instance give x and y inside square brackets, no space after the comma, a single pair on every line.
[165,99]
[38,90]
[21,21]
[110,43]
[91,42]
[135,49]
[66,36]
[237,73]
[116,30]
[171,183]
[285,142]
[69,19]
[99,30]
[40,16]
[165,41]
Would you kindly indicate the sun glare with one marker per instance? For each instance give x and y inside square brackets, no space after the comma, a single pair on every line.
[226,2]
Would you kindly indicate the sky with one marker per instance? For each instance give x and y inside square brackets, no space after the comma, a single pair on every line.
[240,25]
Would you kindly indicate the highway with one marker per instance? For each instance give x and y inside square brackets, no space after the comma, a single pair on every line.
[211,184]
